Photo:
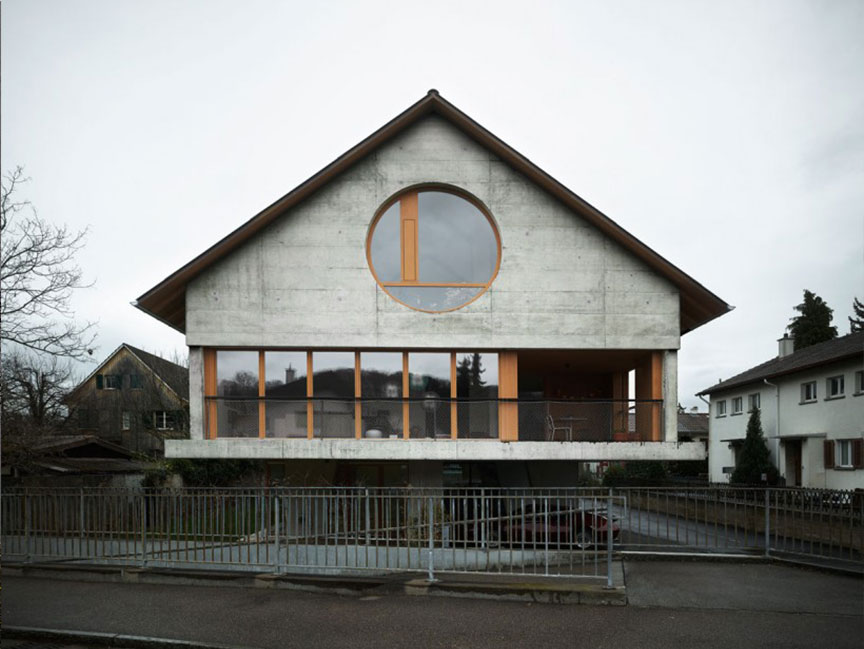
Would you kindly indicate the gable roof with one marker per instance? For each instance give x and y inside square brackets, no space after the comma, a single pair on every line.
[167,300]
[174,377]
[830,351]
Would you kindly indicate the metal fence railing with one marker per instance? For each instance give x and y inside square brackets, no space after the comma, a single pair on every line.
[561,420]
[555,532]
[323,530]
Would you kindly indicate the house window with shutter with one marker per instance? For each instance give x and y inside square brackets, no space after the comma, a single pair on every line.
[844,454]
[135,381]
[109,381]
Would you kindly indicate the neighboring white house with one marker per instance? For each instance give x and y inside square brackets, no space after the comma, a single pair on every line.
[432,307]
[812,409]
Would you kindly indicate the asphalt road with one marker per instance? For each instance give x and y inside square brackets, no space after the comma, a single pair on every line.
[673,604]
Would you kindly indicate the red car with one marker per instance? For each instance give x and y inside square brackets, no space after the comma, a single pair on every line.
[559,524]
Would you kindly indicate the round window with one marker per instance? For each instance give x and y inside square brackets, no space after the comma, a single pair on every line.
[433,250]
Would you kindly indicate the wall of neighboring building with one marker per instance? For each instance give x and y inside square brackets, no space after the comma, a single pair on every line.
[305,281]
[813,423]
[99,411]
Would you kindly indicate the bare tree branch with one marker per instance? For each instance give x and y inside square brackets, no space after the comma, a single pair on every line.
[38,275]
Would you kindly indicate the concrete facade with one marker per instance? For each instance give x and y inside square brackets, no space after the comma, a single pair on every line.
[296,277]
[305,281]
[789,421]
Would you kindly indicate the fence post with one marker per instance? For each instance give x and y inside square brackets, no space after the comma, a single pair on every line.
[767,522]
[143,530]
[27,524]
[609,533]
[368,520]
[431,576]
[81,522]
[276,562]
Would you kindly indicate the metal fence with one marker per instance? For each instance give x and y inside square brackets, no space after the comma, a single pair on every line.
[556,532]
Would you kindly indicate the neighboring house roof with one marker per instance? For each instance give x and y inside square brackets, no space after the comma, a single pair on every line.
[693,423]
[167,300]
[57,444]
[689,423]
[831,351]
[175,377]
[84,454]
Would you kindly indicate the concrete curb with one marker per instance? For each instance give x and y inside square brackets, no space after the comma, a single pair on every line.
[530,589]
[521,592]
[106,639]
[775,558]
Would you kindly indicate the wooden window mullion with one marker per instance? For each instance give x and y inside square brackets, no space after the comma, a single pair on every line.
[406,394]
[454,408]
[210,391]
[409,233]
[358,406]
[310,407]
[262,420]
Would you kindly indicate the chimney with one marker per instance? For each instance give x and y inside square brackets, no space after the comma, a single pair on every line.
[787,345]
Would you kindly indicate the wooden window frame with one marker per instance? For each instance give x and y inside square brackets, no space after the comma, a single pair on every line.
[409,244]
[507,373]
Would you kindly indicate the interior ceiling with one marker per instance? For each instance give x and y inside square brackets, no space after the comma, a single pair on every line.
[580,360]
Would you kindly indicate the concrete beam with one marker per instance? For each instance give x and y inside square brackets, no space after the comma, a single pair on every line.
[422,449]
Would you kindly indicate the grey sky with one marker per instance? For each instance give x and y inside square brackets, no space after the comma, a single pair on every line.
[727,136]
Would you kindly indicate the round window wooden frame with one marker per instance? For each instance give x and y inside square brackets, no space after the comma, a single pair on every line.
[415,190]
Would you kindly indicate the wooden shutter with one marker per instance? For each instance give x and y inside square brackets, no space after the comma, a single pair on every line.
[828,448]
[858,453]
[99,383]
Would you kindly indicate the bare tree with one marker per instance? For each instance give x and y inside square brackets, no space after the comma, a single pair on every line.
[32,390]
[38,274]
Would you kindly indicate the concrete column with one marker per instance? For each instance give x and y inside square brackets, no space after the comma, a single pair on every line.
[196,393]
[670,395]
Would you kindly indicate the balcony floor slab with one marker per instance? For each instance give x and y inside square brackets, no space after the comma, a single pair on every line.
[430,449]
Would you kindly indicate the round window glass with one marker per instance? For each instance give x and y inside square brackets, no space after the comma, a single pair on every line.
[433,250]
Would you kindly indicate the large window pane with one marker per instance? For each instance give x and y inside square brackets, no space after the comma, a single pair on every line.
[434,298]
[381,387]
[456,243]
[237,387]
[237,374]
[477,390]
[429,384]
[285,387]
[384,249]
[333,387]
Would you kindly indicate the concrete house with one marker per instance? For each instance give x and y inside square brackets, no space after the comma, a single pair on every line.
[432,308]
[812,411]
[134,399]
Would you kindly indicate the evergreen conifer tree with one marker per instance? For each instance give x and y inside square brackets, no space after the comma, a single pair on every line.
[754,459]
[856,322]
[813,325]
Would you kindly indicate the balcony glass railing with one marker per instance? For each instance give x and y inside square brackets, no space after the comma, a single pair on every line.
[435,418]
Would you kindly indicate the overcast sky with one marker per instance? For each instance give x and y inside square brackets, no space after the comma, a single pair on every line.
[728,136]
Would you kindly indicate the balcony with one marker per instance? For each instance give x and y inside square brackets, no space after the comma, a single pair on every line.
[510,420]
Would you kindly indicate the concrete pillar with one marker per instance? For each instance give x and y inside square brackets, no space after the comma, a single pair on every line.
[670,395]
[196,393]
